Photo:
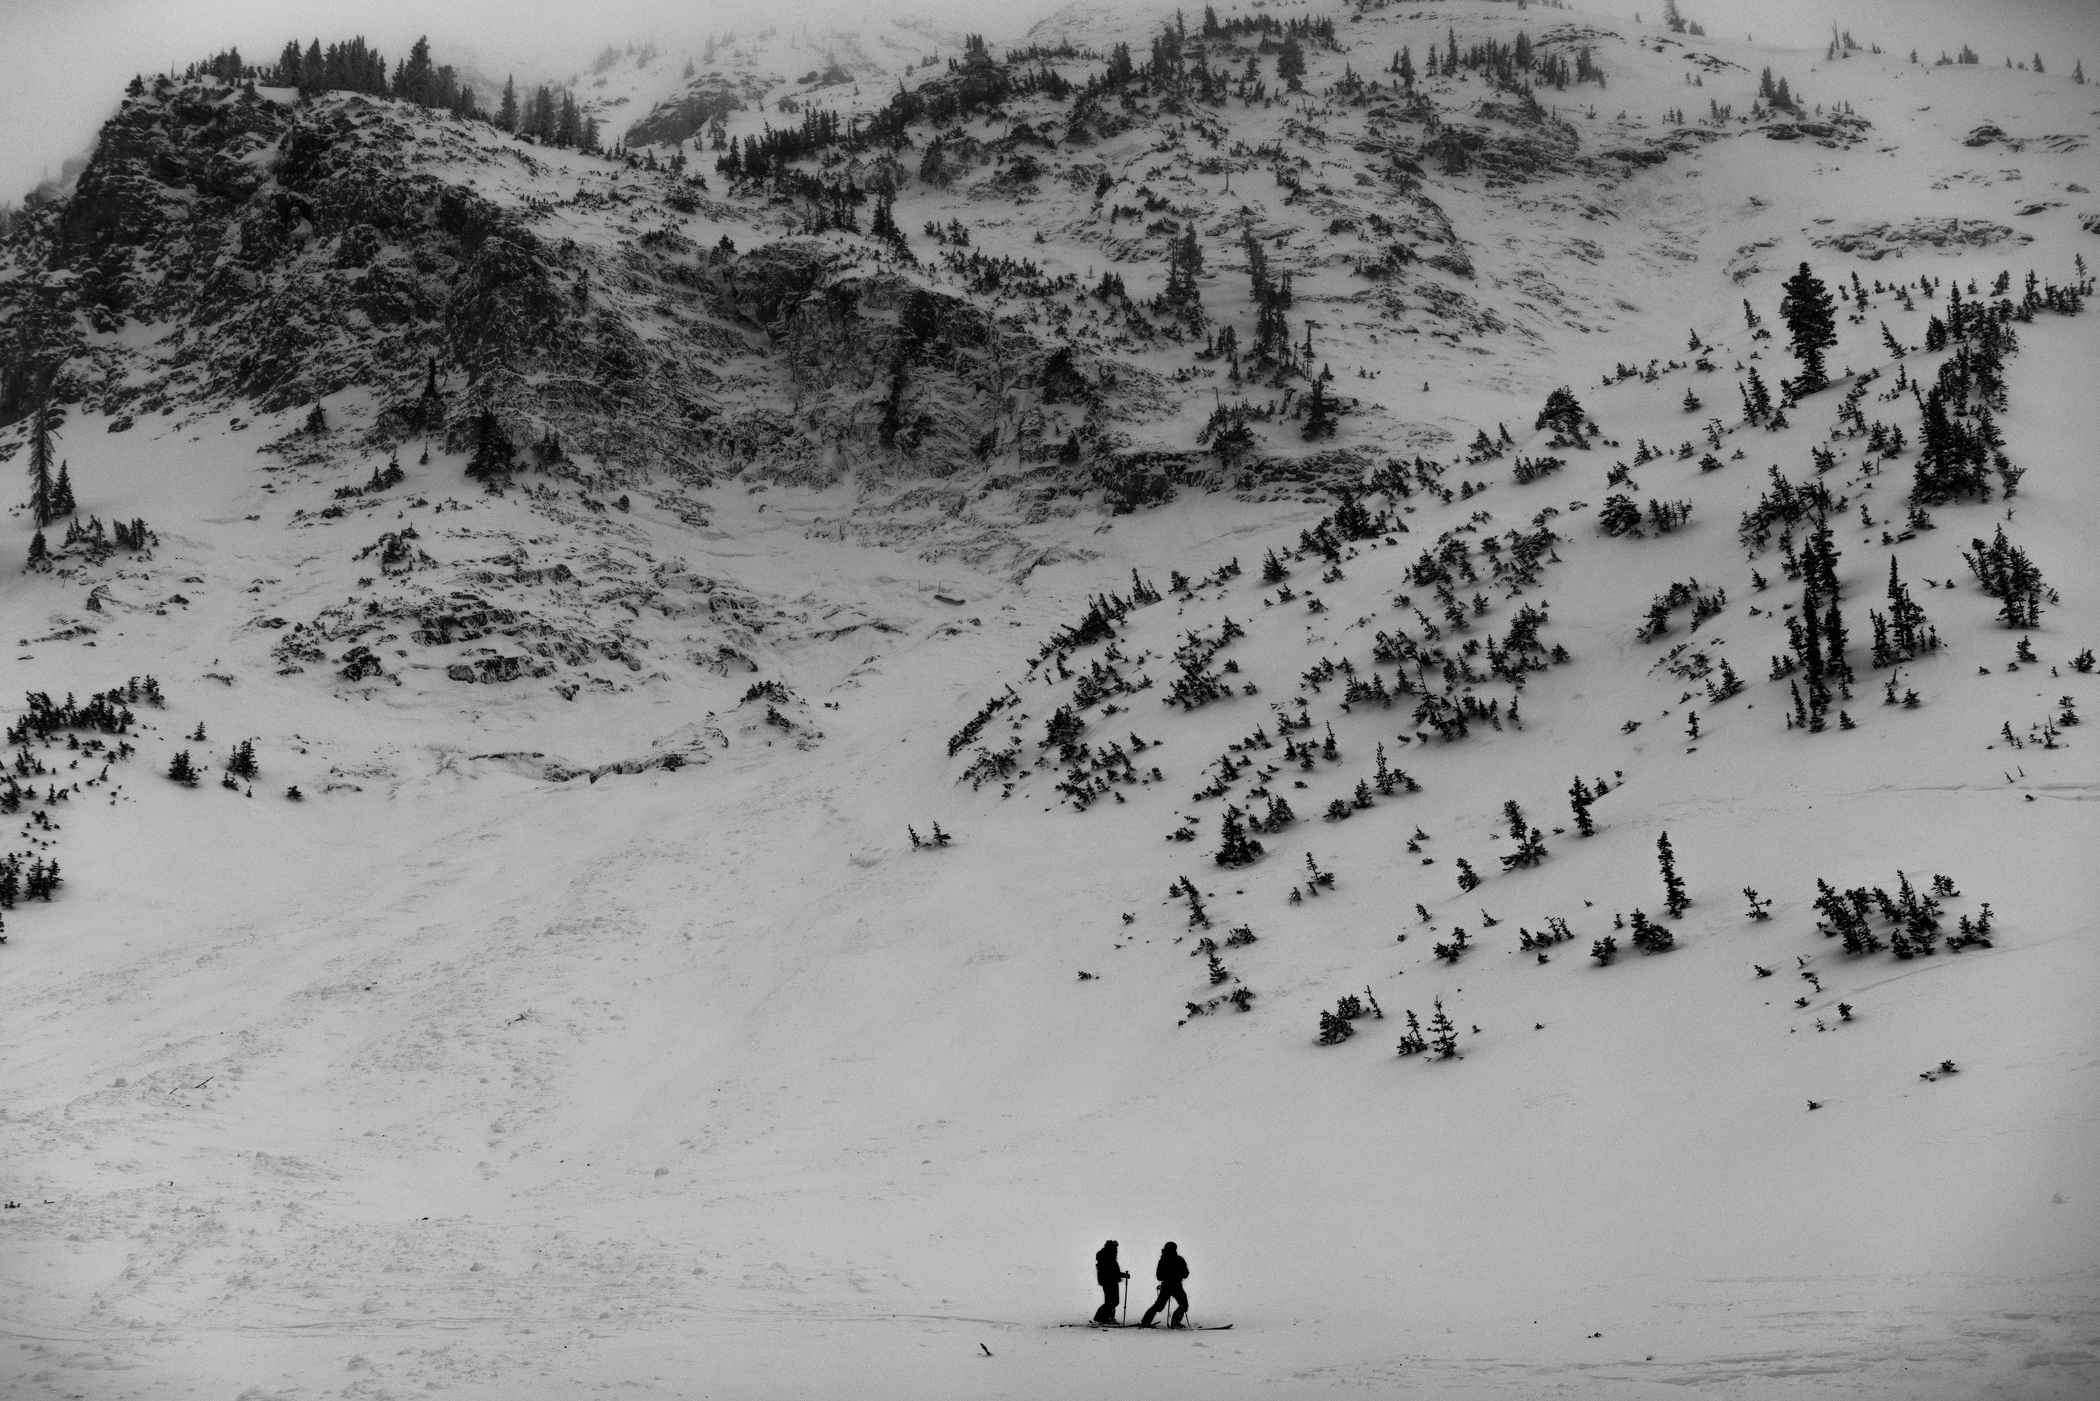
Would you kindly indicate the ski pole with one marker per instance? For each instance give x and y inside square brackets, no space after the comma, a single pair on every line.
[1126,1297]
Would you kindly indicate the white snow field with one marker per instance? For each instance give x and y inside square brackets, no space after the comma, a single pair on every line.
[510,1063]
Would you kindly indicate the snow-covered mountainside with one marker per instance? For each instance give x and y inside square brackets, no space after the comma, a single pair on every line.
[1104,646]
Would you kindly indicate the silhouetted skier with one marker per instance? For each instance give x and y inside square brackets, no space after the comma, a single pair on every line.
[1108,1273]
[1171,1272]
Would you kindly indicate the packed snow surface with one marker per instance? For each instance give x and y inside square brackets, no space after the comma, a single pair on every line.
[514,1061]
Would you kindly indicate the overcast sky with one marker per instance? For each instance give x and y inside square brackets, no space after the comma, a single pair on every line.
[63,63]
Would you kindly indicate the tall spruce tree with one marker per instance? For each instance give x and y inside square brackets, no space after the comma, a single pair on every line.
[493,453]
[1290,62]
[1320,414]
[1811,325]
[43,488]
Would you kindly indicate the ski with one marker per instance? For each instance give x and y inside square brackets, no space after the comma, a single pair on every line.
[1155,1328]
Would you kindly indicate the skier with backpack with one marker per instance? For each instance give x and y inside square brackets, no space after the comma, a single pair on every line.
[1109,1274]
[1171,1272]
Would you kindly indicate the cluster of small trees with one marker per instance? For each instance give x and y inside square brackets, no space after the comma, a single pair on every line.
[938,837]
[548,116]
[1442,1038]
[1337,1026]
[37,878]
[2008,575]
[106,712]
[1904,632]
[1817,637]
[1913,918]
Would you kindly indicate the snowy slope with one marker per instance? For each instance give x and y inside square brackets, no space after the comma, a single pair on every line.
[512,1062]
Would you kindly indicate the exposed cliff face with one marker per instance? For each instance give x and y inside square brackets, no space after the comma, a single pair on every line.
[291,252]
[1009,320]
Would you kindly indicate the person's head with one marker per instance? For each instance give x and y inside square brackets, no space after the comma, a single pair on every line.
[1110,1247]
[1169,1250]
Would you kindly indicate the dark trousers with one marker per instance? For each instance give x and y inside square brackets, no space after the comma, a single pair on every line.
[1170,1291]
[1107,1312]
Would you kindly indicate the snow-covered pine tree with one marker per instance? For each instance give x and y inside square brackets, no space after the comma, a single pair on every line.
[43,432]
[1811,324]
[1674,898]
[62,500]
[1412,1042]
[1235,847]
[1443,1036]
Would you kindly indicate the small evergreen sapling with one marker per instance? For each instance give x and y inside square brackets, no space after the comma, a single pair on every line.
[1649,937]
[1235,847]
[1531,849]
[1455,950]
[1674,898]
[1321,880]
[242,763]
[1443,1037]
[1412,1042]
[182,770]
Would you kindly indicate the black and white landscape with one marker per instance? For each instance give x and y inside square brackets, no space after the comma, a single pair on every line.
[677,725]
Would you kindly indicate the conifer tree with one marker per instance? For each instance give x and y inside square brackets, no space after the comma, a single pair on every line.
[1320,413]
[1674,898]
[1443,1036]
[1184,266]
[241,763]
[1580,798]
[1235,847]
[62,502]
[493,454]
[1811,325]
[1290,63]
[507,109]
[43,431]
[1412,1042]
[430,407]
